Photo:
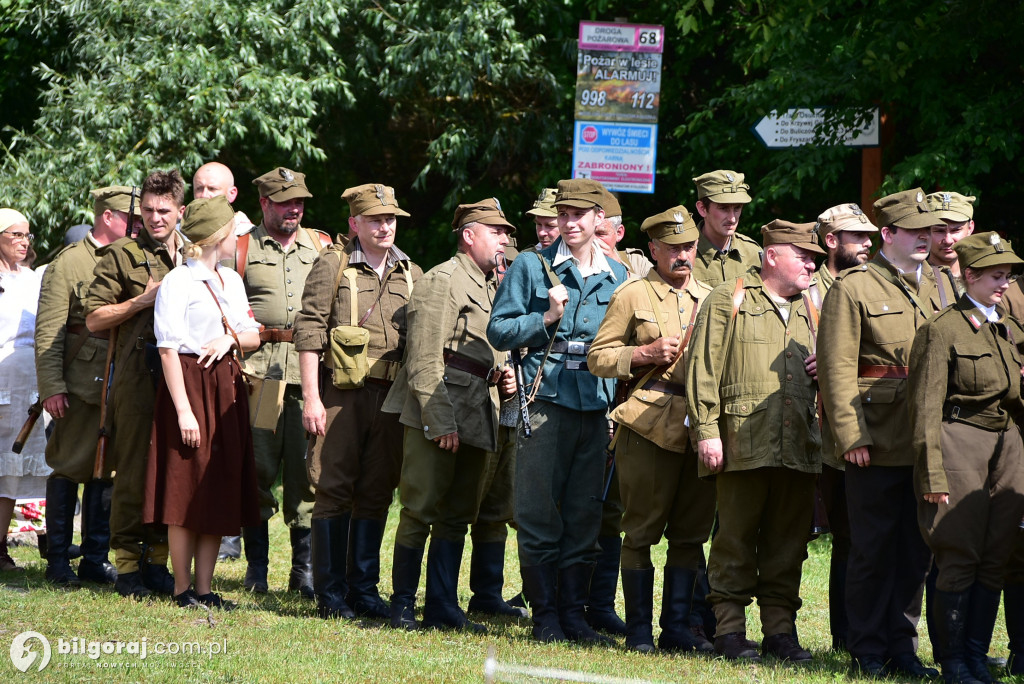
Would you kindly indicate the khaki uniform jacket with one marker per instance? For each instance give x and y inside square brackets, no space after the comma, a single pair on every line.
[449,311]
[631,322]
[1013,301]
[949,286]
[819,287]
[869,320]
[962,368]
[274,280]
[746,381]
[60,305]
[324,307]
[714,267]
[635,261]
[124,268]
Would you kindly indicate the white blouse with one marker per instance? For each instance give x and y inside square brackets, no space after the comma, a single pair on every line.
[185,317]
[18,307]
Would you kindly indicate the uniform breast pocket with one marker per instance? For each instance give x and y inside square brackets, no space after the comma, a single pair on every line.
[647,329]
[977,370]
[885,319]
[752,323]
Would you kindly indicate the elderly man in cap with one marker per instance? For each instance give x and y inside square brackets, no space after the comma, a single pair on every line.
[448,396]
[868,322]
[274,260]
[642,341]
[957,214]
[846,233]
[750,397]
[609,234]
[545,218]
[551,302]
[354,317]
[69,370]
[722,253]
[121,297]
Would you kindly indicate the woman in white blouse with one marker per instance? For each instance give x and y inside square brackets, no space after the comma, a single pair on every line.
[201,478]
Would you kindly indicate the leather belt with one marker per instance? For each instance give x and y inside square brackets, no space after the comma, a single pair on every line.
[379,369]
[453,360]
[82,330]
[570,347]
[276,335]
[896,372]
[673,388]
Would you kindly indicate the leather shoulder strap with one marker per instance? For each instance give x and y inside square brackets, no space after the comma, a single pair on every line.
[241,254]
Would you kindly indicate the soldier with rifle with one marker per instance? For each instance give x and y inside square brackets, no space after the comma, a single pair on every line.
[642,341]
[70,370]
[121,298]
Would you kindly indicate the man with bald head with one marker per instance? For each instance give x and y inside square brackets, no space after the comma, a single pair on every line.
[213,179]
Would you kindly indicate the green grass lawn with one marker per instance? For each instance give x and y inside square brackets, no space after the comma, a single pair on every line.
[278,638]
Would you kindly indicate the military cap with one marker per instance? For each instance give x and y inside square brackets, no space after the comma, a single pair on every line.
[674,226]
[985,249]
[952,206]
[114,198]
[544,205]
[487,212]
[802,235]
[724,187]
[76,233]
[281,185]
[372,199]
[10,217]
[610,204]
[584,193]
[906,209]
[204,217]
[844,217]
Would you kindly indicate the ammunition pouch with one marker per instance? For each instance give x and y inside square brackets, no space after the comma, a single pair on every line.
[348,356]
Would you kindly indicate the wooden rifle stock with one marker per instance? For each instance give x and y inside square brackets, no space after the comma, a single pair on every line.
[34,411]
[100,462]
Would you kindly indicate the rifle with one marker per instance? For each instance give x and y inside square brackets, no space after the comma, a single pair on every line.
[129,230]
[34,411]
[517,359]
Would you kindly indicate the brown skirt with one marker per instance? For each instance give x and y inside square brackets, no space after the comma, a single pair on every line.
[210,489]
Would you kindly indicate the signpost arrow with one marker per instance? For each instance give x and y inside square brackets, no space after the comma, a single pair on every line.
[796,127]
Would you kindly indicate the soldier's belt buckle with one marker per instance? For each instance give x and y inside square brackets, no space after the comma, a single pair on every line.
[955,413]
[573,365]
[577,348]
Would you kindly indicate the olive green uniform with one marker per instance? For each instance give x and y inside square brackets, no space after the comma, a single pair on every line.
[965,398]
[60,327]
[714,266]
[355,466]
[747,384]
[121,274]
[656,463]
[868,323]
[274,280]
[440,390]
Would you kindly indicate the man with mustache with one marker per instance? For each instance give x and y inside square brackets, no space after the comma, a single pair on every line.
[868,323]
[846,232]
[722,252]
[274,260]
[641,341]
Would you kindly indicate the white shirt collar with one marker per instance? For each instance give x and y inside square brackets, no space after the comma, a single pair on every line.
[989,311]
[199,270]
[598,262]
[917,272]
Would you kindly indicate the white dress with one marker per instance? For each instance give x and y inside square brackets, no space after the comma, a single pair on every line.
[22,476]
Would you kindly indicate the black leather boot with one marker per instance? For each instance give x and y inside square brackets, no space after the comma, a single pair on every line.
[329,547]
[405,580]
[1013,608]
[604,585]
[61,496]
[573,586]
[441,605]
[300,578]
[486,579]
[257,557]
[155,576]
[839,624]
[364,569]
[638,592]
[981,619]
[703,624]
[540,590]
[230,548]
[95,565]
[676,609]
[950,620]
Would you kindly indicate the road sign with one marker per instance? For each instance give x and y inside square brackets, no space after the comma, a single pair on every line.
[622,156]
[796,127]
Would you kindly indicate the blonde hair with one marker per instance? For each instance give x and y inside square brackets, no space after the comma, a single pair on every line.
[194,250]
